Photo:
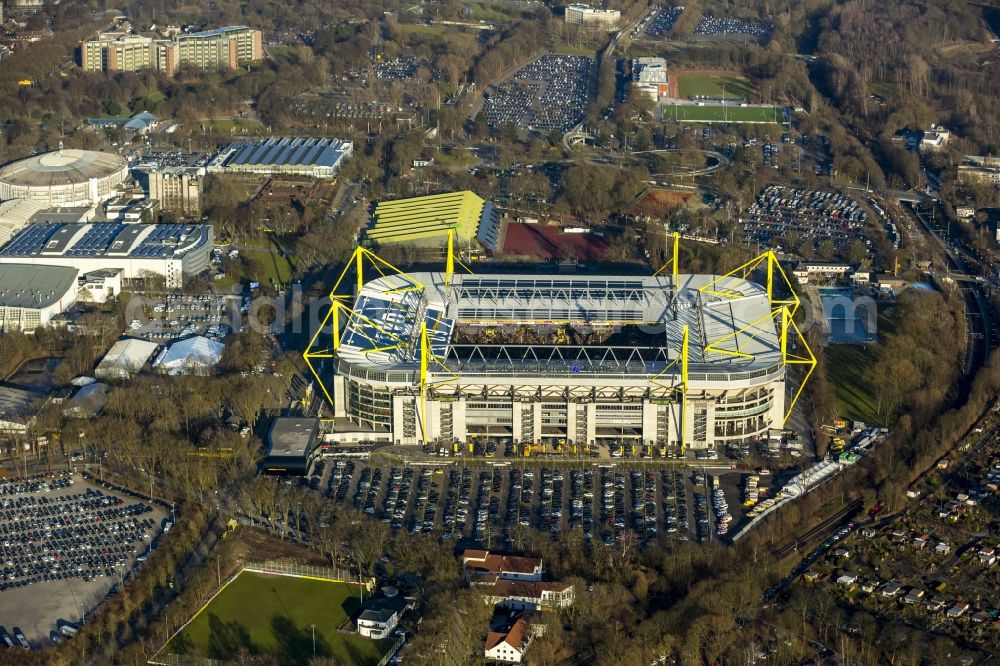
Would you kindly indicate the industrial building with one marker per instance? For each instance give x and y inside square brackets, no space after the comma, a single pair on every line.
[223,48]
[649,76]
[290,444]
[30,296]
[591,16]
[427,221]
[174,251]
[312,157]
[681,360]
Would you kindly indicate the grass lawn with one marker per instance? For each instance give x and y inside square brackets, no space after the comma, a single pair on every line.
[847,368]
[718,113]
[272,615]
[713,85]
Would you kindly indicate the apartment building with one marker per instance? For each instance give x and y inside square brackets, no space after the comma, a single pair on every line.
[222,48]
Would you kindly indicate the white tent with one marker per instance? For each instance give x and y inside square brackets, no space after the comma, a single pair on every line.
[194,355]
[125,358]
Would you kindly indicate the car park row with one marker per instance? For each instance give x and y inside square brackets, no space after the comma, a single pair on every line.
[482,504]
[549,93]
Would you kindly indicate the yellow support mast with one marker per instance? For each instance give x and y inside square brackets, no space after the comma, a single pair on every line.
[684,387]
[424,362]
[676,261]
[449,269]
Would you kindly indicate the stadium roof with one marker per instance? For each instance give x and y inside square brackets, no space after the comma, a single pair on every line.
[731,333]
[63,167]
[430,217]
[26,286]
[109,239]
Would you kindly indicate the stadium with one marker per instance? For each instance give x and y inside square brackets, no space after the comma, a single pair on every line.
[64,178]
[675,360]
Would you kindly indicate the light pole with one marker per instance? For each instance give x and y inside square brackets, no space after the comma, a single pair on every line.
[314,639]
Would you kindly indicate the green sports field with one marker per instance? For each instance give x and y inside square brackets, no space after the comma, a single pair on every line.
[718,113]
[272,615]
[714,85]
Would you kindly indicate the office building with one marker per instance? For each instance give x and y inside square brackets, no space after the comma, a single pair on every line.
[223,48]
[590,16]
[177,189]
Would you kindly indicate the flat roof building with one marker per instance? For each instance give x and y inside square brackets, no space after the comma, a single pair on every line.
[426,221]
[312,157]
[222,48]
[290,443]
[585,15]
[177,188]
[30,296]
[649,76]
[174,251]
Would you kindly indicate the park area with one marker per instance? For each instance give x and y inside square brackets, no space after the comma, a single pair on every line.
[723,113]
[714,85]
[273,615]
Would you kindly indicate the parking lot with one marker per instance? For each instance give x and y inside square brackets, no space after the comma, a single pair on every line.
[66,544]
[710,26]
[663,23]
[179,315]
[812,215]
[483,504]
[549,93]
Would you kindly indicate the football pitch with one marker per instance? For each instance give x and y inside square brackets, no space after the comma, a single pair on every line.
[714,85]
[272,615]
[719,113]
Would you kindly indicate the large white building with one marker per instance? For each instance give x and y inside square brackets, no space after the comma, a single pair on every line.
[30,296]
[586,15]
[174,251]
[649,76]
[561,359]
[64,178]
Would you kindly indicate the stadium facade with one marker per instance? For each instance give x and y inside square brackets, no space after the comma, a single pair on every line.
[684,360]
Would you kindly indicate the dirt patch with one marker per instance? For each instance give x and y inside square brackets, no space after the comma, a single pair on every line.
[253,545]
[656,203]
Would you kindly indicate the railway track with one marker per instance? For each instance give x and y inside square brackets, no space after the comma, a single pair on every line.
[819,532]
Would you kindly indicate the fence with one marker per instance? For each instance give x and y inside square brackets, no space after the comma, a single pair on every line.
[308,571]
[163,658]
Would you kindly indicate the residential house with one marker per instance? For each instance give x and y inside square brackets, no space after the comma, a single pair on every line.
[378,623]
[527,595]
[987,556]
[942,548]
[481,563]
[958,610]
[847,579]
[508,647]
[913,596]
[891,589]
